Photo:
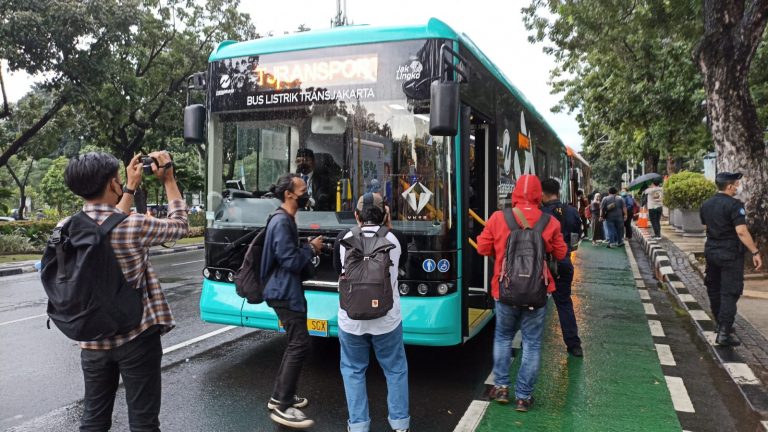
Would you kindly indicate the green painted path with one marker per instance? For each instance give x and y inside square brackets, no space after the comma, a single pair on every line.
[619,384]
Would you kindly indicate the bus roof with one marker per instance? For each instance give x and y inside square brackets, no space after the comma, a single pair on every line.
[363,34]
[574,154]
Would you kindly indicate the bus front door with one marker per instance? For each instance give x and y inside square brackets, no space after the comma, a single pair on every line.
[480,187]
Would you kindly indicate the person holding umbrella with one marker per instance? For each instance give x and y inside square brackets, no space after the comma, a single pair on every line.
[654,196]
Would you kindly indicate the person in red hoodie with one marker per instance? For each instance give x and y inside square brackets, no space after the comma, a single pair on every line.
[493,242]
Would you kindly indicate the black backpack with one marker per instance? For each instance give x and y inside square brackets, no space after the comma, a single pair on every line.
[365,287]
[522,281]
[88,296]
[248,281]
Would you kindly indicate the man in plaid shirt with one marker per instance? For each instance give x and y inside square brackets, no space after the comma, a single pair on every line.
[135,355]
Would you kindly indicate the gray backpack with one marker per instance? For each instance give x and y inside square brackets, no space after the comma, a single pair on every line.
[365,287]
[522,281]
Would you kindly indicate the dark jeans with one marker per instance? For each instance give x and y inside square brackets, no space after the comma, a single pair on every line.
[138,362]
[562,298]
[298,349]
[655,216]
[628,225]
[725,283]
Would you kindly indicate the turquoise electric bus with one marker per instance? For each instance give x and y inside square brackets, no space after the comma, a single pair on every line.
[360,99]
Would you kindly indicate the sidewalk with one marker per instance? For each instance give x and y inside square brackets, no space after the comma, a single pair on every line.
[677,266]
[20,267]
[621,385]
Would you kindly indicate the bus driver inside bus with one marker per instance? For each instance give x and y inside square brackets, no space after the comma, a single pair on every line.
[319,185]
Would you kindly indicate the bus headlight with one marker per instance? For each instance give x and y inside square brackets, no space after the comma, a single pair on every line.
[404,289]
[422,289]
[206,273]
[442,289]
[217,275]
[231,277]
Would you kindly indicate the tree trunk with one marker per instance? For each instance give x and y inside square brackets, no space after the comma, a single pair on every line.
[671,165]
[651,162]
[724,57]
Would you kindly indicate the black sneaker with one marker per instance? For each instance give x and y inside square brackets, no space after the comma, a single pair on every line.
[576,351]
[298,402]
[292,418]
[500,394]
[523,405]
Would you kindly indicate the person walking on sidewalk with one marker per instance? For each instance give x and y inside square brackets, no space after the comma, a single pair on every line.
[613,212]
[526,199]
[629,204]
[372,252]
[583,205]
[654,196]
[727,236]
[136,355]
[598,234]
[285,260]
[570,227]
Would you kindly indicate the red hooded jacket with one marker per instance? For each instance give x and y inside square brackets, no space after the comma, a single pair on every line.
[493,240]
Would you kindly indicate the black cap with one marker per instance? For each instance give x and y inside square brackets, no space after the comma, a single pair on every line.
[726,176]
[305,152]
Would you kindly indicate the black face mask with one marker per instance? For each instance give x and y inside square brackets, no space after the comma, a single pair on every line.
[303,200]
[303,168]
[120,195]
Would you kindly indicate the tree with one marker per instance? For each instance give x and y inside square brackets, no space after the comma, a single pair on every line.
[55,192]
[625,68]
[70,42]
[733,31]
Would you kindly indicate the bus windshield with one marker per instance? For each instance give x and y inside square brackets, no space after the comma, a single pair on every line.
[341,150]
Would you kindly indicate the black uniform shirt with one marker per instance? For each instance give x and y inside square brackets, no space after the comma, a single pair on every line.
[722,214]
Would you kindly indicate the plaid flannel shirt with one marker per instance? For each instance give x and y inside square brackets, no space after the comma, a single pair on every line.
[131,240]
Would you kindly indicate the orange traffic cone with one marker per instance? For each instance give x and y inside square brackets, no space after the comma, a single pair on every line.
[642,219]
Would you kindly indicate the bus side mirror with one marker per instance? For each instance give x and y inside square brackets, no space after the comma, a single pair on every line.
[444,108]
[194,124]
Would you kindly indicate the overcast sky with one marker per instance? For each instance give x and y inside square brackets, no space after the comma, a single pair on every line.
[495,26]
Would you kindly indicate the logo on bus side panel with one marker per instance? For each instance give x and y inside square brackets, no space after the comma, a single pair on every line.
[429,265]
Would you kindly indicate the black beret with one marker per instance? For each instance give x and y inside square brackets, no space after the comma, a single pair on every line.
[726,176]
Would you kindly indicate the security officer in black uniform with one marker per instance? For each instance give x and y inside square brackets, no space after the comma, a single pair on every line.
[727,236]
[570,226]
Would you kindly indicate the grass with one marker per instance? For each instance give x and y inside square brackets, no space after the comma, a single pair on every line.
[189,241]
[5,259]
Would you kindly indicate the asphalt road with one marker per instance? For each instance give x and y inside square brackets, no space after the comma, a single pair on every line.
[221,383]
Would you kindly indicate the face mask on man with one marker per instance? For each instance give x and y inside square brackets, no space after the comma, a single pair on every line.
[739,189]
[303,200]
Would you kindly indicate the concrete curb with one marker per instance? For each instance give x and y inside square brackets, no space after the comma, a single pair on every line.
[750,386]
[29,268]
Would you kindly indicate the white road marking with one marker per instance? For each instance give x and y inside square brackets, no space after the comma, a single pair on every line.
[188,262]
[490,380]
[22,319]
[765,424]
[687,298]
[471,418]
[677,284]
[666,271]
[680,398]
[198,339]
[710,337]
[665,355]
[644,294]
[649,309]
[639,283]
[741,373]
[699,315]
[656,329]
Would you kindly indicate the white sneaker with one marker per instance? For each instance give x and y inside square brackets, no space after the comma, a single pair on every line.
[292,418]
[298,402]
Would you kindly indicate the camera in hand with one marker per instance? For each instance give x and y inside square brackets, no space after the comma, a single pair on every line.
[146,162]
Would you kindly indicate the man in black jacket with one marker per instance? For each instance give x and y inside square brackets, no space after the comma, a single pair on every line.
[570,226]
[319,188]
[283,261]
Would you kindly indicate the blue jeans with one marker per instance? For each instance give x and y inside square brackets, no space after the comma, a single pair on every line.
[531,324]
[614,231]
[390,352]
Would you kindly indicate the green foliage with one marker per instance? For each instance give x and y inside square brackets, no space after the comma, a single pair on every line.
[16,244]
[626,69]
[196,220]
[687,190]
[35,233]
[55,192]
